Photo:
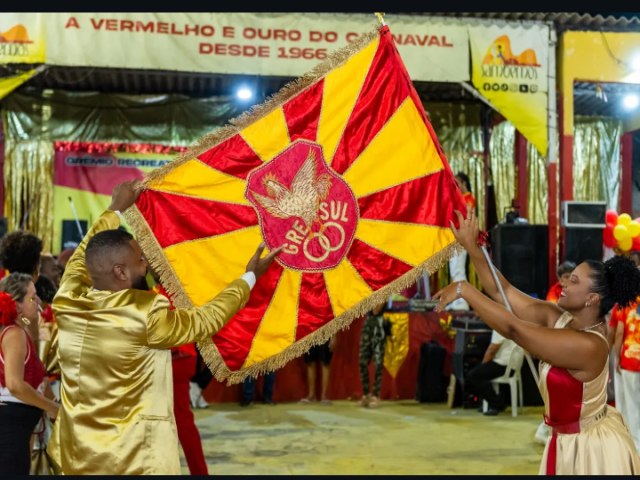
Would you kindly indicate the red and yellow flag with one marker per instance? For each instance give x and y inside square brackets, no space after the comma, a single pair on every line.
[343,167]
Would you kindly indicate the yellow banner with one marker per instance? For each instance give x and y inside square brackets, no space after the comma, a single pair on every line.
[22,38]
[9,84]
[510,69]
[397,346]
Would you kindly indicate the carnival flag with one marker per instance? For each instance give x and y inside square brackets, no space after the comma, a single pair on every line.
[342,167]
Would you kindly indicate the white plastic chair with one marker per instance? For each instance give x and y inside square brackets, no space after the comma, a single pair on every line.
[513,378]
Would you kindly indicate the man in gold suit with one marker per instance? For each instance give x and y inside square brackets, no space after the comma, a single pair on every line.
[116,414]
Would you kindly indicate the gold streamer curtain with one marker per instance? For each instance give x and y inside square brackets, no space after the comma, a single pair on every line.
[538,187]
[596,160]
[502,161]
[459,130]
[32,122]
[460,134]
[28,173]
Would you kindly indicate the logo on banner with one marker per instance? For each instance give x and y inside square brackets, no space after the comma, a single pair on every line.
[15,42]
[504,71]
[305,206]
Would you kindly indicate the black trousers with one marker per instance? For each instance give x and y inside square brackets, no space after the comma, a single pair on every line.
[203,375]
[17,422]
[478,381]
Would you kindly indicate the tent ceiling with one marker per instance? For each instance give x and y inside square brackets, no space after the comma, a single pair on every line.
[205,85]
[561,20]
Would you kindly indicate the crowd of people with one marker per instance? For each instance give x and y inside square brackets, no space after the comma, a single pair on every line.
[88,344]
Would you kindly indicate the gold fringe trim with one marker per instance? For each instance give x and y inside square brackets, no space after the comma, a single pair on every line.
[255,113]
[156,257]
[216,364]
[159,263]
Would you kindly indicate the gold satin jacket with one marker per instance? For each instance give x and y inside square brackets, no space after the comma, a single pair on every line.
[116,413]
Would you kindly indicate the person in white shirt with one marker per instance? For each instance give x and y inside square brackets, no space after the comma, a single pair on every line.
[494,364]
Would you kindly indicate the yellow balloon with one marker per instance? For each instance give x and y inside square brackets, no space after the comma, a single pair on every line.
[624,219]
[634,228]
[625,244]
[620,232]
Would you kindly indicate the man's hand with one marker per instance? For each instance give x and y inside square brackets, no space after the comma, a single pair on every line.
[259,265]
[124,195]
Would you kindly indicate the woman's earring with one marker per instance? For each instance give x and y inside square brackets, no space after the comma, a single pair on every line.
[587,304]
[26,321]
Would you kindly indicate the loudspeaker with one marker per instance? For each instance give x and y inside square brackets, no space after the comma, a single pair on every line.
[431,385]
[470,342]
[70,233]
[521,253]
[583,214]
[582,244]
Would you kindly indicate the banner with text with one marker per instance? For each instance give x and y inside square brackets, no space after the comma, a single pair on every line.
[22,38]
[84,181]
[510,69]
[284,44]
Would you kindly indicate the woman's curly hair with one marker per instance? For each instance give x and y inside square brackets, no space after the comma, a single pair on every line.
[617,281]
[20,252]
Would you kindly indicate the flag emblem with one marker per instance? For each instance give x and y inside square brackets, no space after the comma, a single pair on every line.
[343,168]
[314,215]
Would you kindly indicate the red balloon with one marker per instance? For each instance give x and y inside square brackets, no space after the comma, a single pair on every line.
[608,239]
[611,217]
[635,245]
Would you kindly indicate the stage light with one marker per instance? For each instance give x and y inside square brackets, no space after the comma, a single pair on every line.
[635,63]
[244,93]
[630,101]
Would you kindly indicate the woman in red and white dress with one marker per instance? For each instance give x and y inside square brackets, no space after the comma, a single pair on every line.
[22,374]
[589,437]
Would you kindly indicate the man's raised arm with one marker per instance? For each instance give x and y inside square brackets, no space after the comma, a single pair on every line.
[171,328]
[76,274]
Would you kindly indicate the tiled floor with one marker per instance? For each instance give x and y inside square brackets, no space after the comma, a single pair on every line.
[402,437]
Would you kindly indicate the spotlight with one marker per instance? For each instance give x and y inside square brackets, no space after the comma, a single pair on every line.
[630,101]
[244,93]
[635,63]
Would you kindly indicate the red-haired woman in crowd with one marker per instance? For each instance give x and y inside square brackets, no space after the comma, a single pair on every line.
[22,374]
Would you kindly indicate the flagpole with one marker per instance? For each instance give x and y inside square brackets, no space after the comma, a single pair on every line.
[508,305]
[380,16]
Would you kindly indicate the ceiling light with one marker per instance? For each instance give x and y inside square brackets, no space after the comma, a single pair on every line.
[630,101]
[244,93]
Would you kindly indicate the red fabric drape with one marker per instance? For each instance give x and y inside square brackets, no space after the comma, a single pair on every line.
[344,380]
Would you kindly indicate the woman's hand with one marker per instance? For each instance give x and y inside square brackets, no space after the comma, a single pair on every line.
[467,232]
[52,411]
[448,294]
